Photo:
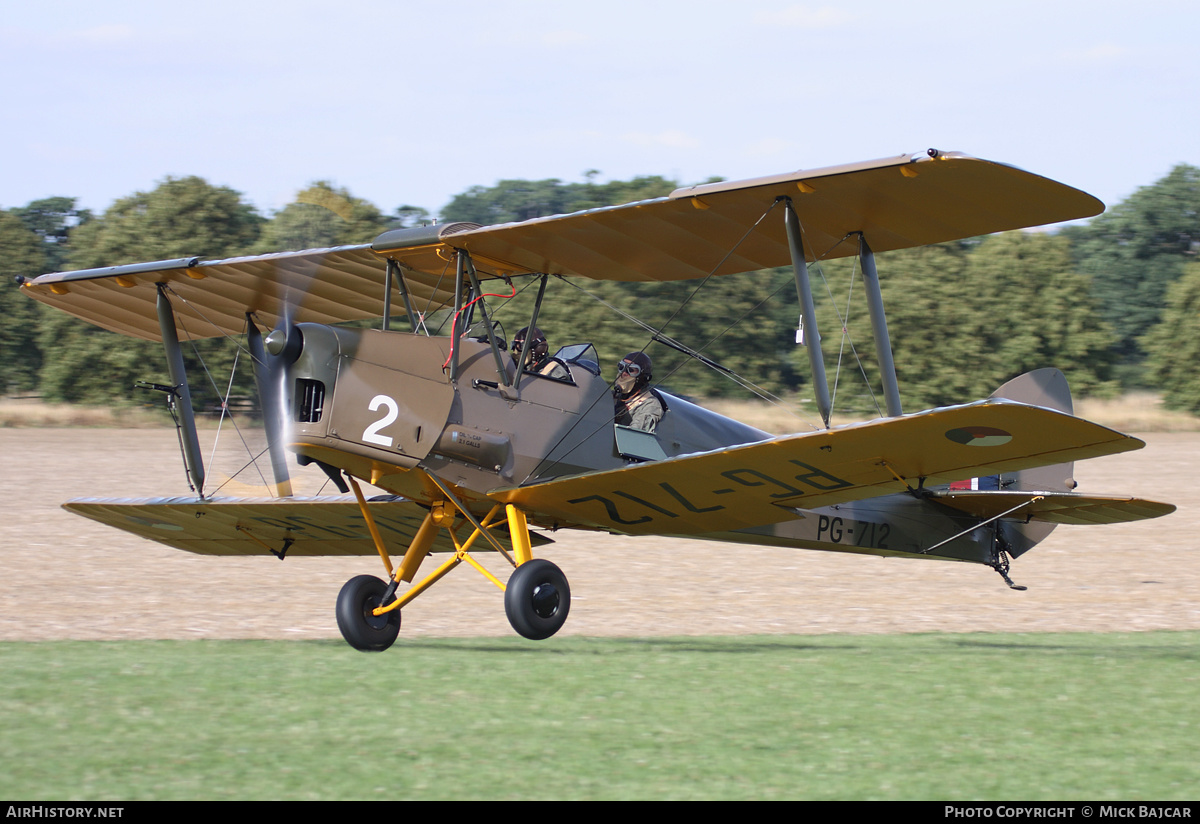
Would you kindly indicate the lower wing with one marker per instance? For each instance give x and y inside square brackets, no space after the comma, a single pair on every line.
[766,482]
[254,526]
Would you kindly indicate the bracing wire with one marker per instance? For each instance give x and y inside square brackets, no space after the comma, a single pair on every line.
[655,333]
[846,338]
[697,354]
[182,321]
[224,403]
[454,334]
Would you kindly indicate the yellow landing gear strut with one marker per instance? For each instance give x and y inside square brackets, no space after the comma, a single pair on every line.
[537,598]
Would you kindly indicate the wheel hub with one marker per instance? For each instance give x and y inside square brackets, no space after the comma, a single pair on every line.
[545,600]
[374,621]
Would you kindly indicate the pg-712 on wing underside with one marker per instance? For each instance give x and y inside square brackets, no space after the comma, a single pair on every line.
[473,451]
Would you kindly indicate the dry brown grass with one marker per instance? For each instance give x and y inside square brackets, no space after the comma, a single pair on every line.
[778,419]
[1135,412]
[32,412]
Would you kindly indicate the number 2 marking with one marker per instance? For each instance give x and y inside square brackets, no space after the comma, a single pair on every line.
[371,433]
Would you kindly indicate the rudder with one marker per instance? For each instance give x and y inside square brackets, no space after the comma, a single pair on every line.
[1047,388]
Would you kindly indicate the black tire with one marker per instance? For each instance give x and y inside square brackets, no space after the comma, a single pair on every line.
[361,629]
[537,599]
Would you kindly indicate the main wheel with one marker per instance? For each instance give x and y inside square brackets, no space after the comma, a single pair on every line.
[361,629]
[537,599]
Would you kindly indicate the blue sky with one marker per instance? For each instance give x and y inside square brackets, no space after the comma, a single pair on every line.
[411,103]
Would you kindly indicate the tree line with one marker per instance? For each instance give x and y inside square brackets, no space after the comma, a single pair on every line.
[1114,302]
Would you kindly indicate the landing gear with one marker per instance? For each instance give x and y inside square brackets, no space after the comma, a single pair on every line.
[537,599]
[1000,557]
[361,629]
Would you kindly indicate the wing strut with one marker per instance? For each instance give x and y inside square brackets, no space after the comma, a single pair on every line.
[879,328]
[807,309]
[529,337]
[477,291]
[456,333]
[188,436]
[395,275]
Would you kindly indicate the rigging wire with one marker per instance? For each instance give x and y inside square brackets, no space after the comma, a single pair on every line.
[182,322]
[696,354]
[762,393]
[418,316]
[503,307]
[429,301]
[654,334]
[845,323]
[713,271]
[224,404]
[463,308]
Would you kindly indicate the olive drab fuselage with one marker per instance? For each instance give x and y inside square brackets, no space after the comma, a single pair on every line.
[387,404]
[384,405]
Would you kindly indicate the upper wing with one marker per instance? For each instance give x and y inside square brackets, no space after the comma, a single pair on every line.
[212,298]
[252,526]
[896,203]
[763,483]
[696,231]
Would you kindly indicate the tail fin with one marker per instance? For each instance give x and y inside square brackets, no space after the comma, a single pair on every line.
[1048,388]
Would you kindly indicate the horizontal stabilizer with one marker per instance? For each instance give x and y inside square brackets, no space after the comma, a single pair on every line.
[766,482]
[330,525]
[1054,507]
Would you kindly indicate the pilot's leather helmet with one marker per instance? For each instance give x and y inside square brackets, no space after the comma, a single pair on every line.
[537,350]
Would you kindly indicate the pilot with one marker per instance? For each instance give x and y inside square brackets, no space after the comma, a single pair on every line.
[538,360]
[637,405]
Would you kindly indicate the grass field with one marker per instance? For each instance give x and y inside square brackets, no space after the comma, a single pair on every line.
[948,716]
[91,709]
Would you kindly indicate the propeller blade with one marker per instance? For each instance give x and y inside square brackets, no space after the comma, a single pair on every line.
[269,375]
[273,354]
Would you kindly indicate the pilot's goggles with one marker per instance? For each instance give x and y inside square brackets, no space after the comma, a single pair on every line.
[631,368]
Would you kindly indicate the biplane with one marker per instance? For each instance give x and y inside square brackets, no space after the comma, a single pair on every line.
[474,453]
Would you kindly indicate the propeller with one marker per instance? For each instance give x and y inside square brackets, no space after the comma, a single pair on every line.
[270,374]
[272,356]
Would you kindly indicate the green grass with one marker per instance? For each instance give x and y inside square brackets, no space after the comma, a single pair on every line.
[968,717]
